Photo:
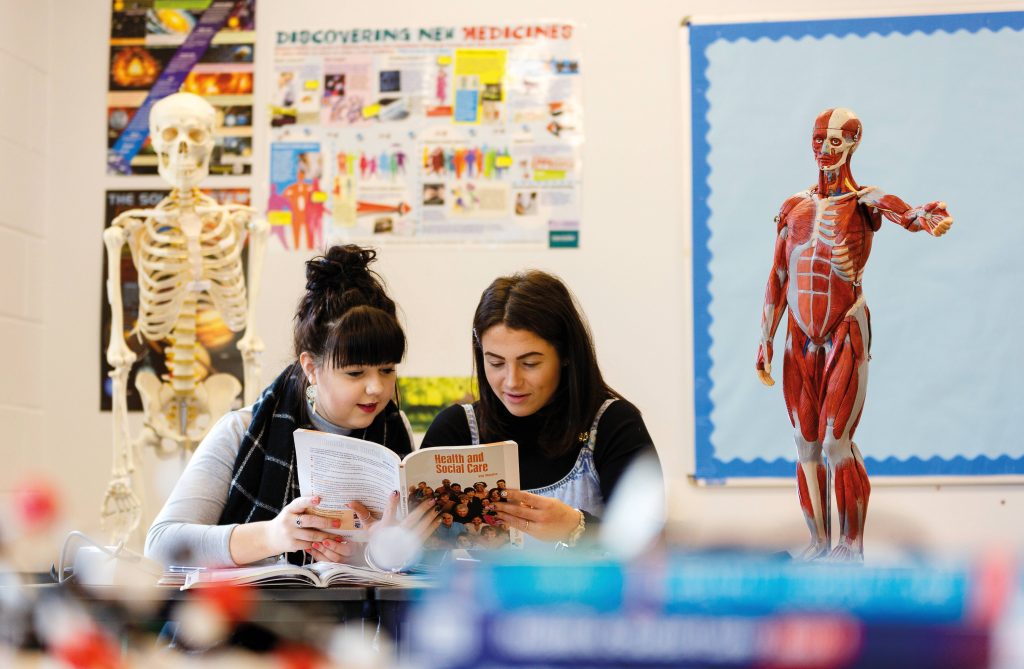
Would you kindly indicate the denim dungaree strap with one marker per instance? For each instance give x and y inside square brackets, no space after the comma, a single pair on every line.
[474,431]
[581,487]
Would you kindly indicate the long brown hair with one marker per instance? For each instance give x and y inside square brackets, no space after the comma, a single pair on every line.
[540,303]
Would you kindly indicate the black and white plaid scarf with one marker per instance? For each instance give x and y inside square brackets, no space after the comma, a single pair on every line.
[264,478]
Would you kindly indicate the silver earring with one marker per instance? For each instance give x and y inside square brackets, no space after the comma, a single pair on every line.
[311,394]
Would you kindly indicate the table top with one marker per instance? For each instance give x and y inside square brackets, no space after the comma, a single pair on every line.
[280,593]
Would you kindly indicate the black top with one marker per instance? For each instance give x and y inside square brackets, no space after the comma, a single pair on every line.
[621,437]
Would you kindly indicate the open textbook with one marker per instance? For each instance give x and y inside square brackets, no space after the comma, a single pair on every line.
[318,574]
[461,479]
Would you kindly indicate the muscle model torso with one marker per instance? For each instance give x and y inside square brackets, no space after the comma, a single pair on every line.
[828,242]
[821,249]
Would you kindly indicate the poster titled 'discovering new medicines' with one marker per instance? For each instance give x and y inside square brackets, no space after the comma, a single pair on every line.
[426,134]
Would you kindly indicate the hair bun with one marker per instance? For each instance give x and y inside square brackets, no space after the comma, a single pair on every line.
[340,268]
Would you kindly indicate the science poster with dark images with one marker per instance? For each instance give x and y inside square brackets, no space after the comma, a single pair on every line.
[216,345]
[197,46]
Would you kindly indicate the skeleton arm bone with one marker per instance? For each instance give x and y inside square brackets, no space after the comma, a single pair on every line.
[121,508]
[250,344]
[774,305]
[114,238]
[121,230]
[931,217]
[119,356]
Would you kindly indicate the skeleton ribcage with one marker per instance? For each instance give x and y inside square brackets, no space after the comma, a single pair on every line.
[222,267]
[162,262]
[171,267]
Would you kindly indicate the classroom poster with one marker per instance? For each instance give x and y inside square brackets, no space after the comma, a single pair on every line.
[426,134]
[216,345]
[944,358]
[423,397]
[158,47]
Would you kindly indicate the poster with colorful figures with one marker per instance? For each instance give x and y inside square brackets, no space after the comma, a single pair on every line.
[440,134]
[158,47]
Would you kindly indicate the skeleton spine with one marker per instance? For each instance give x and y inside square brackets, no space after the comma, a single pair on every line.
[182,357]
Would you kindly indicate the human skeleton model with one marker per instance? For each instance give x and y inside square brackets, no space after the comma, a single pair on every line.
[824,238]
[187,252]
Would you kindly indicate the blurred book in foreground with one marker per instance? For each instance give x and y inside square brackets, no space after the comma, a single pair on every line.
[692,611]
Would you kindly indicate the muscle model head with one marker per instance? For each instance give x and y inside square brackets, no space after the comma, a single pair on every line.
[835,137]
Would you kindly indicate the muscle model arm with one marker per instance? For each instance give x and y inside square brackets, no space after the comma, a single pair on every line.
[774,299]
[931,217]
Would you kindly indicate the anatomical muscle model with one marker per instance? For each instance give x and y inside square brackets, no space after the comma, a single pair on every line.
[824,238]
[188,253]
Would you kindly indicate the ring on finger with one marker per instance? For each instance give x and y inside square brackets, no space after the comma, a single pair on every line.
[298,521]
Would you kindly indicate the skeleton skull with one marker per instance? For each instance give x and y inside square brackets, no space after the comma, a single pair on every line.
[181,128]
[836,136]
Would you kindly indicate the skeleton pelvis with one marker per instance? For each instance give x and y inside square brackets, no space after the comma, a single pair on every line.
[181,421]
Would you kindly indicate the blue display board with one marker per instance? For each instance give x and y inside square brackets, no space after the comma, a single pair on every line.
[941,99]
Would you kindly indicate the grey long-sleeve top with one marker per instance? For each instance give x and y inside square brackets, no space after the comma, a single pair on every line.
[185,531]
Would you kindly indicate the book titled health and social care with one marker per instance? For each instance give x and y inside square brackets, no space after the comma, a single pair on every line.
[342,469]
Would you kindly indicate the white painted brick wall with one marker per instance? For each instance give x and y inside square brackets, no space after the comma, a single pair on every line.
[24,68]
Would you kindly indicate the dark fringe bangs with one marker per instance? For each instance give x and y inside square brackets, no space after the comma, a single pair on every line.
[364,336]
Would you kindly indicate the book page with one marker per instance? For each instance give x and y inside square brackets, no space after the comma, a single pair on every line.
[343,469]
[462,480]
[273,573]
[334,573]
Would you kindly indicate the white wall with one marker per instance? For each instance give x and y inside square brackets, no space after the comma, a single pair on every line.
[631,273]
[25,159]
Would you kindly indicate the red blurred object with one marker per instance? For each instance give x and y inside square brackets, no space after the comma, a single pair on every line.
[89,650]
[234,602]
[299,657]
[809,641]
[995,580]
[36,504]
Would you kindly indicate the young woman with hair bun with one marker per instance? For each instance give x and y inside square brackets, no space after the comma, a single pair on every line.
[237,502]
